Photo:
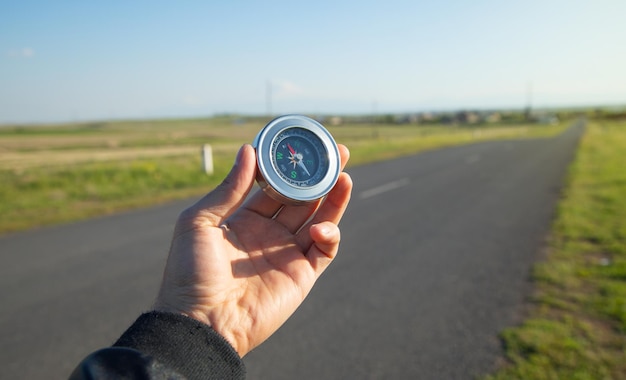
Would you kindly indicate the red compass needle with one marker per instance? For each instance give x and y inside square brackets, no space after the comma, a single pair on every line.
[291,149]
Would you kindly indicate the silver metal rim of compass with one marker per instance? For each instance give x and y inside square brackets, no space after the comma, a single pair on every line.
[267,177]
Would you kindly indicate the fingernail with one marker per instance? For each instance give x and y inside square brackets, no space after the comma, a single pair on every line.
[324,230]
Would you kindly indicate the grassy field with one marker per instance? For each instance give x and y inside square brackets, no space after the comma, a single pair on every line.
[577,325]
[62,173]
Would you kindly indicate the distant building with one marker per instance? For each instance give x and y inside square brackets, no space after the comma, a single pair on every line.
[493,117]
[427,116]
[336,120]
[467,117]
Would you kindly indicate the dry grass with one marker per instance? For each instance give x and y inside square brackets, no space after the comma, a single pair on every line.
[53,174]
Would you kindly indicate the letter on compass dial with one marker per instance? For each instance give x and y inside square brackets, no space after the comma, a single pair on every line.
[296,159]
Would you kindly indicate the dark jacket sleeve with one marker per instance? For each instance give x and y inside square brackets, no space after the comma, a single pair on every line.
[164,346]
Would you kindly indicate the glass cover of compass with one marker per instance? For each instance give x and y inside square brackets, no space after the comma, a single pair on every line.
[297,158]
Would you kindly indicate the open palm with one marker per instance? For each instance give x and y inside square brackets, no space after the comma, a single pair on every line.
[243,267]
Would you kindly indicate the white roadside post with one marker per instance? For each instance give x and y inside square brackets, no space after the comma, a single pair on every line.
[207,159]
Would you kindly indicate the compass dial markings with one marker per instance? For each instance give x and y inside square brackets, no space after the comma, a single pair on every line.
[306,157]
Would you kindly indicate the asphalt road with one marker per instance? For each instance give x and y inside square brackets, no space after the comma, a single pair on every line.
[434,262]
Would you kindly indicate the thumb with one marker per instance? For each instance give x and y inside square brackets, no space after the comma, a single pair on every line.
[326,237]
[230,194]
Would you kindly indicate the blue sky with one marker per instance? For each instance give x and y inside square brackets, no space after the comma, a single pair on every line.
[74,61]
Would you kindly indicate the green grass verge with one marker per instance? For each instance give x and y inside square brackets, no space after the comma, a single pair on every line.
[40,186]
[44,196]
[577,324]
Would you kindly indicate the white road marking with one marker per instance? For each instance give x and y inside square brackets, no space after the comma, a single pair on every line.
[384,188]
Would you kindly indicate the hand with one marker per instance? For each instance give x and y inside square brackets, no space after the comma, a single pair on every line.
[243,269]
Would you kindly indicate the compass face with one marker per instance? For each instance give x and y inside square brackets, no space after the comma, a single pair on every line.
[297,158]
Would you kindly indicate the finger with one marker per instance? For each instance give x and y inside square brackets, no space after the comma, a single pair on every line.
[230,194]
[344,153]
[331,209]
[293,217]
[262,204]
[336,201]
[326,237]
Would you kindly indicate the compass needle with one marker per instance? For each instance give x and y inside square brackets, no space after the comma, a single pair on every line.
[291,150]
[301,164]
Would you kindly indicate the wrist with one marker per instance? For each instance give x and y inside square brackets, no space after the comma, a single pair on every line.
[164,307]
[202,317]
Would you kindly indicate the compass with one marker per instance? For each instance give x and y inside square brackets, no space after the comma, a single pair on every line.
[298,159]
